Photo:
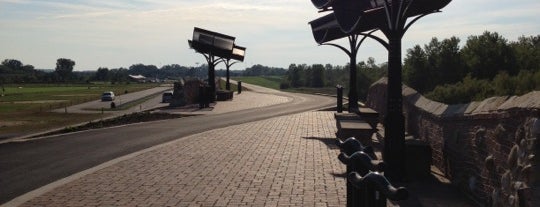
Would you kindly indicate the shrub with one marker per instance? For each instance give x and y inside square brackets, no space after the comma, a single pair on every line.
[284,85]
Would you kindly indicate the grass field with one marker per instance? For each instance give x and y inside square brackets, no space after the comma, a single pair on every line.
[265,81]
[274,82]
[26,108]
[324,90]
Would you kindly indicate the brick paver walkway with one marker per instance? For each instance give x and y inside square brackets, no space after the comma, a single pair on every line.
[243,101]
[283,161]
[249,100]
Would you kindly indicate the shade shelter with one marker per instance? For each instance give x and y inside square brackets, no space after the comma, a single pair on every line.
[350,18]
[326,29]
[213,46]
[237,54]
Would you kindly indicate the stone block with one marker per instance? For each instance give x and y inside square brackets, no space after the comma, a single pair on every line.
[359,129]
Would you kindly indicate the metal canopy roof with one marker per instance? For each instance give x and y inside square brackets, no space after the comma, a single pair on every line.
[352,17]
[217,44]
[322,4]
[238,53]
[208,42]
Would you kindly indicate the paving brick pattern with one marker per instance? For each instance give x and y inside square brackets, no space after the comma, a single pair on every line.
[243,101]
[283,161]
[249,100]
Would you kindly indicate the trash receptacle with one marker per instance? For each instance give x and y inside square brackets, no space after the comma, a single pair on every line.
[418,158]
[239,86]
[339,89]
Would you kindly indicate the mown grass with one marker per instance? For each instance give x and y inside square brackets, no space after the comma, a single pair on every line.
[265,81]
[18,124]
[25,108]
[274,82]
[41,97]
[223,83]
[324,90]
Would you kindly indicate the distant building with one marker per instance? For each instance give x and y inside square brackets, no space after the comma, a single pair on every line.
[138,78]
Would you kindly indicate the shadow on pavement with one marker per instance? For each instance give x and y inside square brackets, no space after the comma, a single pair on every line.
[329,142]
[434,190]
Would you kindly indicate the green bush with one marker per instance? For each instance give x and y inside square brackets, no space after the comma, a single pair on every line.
[284,85]
[471,89]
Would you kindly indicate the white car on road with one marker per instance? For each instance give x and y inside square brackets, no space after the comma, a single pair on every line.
[107,96]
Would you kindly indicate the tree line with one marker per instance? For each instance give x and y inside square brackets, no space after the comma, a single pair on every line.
[14,71]
[300,75]
[318,76]
[487,65]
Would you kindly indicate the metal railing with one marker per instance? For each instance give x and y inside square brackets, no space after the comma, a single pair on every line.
[366,184]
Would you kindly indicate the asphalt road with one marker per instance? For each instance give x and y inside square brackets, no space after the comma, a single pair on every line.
[25,166]
[93,106]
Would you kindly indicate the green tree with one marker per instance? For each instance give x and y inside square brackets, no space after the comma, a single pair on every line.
[527,81]
[13,64]
[119,75]
[504,84]
[64,68]
[318,76]
[362,84]
[444,62]
[450,66]
[527,52]
[14,71]
[294,75]
[368,73]
[145,70]
[102,74]
[487,54]
[306,74]
[328,75]
[416,73]
[469,89]
[371,63]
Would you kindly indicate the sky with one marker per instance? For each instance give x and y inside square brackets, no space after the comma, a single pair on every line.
[120,33]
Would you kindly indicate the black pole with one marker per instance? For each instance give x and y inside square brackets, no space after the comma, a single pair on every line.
[239,87]
[353,93]
[211,79]
[228,83]
[339,108]
[354,45]
[394,129]
[202,96]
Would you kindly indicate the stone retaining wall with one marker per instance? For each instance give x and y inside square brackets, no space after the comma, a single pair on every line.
[485,148]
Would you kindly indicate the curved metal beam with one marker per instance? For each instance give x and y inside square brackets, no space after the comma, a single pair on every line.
[369,34]
[388,16]
[407,8]
[353,39]
[229,65]
[338,46]
[208,60]
[378,39]
[414,20]
[219,60]
[399,12]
